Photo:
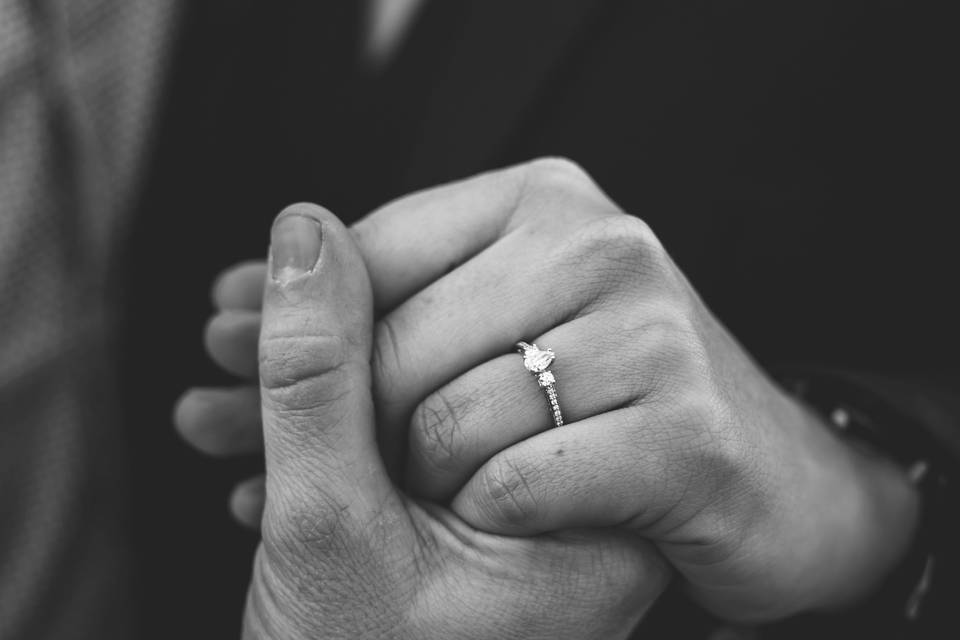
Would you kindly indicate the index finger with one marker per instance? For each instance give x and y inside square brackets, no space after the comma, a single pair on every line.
[413,241]
[407,243]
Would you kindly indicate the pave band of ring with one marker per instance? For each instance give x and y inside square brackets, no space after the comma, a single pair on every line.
[537,361]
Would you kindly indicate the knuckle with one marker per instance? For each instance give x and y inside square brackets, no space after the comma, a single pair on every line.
[307,373]
[557,173]
[621,241]
[290,362]
[713,448]
[728,451]
[510,491]
[437,431]
[618,252]
[628,231]
[682,448]
[557,185]
[556,190]
[674,347]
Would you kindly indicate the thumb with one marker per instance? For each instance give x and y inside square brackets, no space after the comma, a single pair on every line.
[314,353]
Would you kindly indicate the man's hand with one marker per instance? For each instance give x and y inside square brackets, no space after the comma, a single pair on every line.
[674,433]
[346,555]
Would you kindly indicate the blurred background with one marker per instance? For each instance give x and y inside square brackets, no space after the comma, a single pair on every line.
[787,154]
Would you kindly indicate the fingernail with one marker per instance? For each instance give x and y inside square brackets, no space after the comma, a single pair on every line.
[294,247]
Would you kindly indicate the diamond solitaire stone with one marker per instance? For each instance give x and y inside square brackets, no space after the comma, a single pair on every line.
[537,360]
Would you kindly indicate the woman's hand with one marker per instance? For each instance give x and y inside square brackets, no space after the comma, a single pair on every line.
[673,433]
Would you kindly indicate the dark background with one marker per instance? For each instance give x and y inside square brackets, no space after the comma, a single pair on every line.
[791,156]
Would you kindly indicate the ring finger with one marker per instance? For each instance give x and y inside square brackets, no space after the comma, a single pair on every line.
[491,407]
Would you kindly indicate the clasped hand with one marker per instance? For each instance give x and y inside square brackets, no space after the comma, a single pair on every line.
[414,485]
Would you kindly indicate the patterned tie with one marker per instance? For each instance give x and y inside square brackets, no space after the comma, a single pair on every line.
[77,81]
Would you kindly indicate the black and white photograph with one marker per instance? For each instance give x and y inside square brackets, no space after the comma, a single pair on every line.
[479,320]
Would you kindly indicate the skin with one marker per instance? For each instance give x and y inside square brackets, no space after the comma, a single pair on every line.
[345,554]
[674,434]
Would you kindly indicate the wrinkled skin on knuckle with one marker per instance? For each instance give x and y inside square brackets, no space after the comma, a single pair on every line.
[509,486]
[436,432]
[712,455]
[726,450]
[666,346]
[618,257]
[304,372]
[745,499]
[712,474]
[683,416]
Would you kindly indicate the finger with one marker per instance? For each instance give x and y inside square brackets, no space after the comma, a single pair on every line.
[499,403]
[231,340]
[520,287]
[602,471]
[247,501]
[453,325]
[411,242]
[240,288]
[221,422]
[318,416]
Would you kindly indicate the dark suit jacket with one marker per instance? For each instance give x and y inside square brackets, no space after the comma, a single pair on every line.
[783,152]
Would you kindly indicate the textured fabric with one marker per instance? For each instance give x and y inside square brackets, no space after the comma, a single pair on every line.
[77,81]
[79,84]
